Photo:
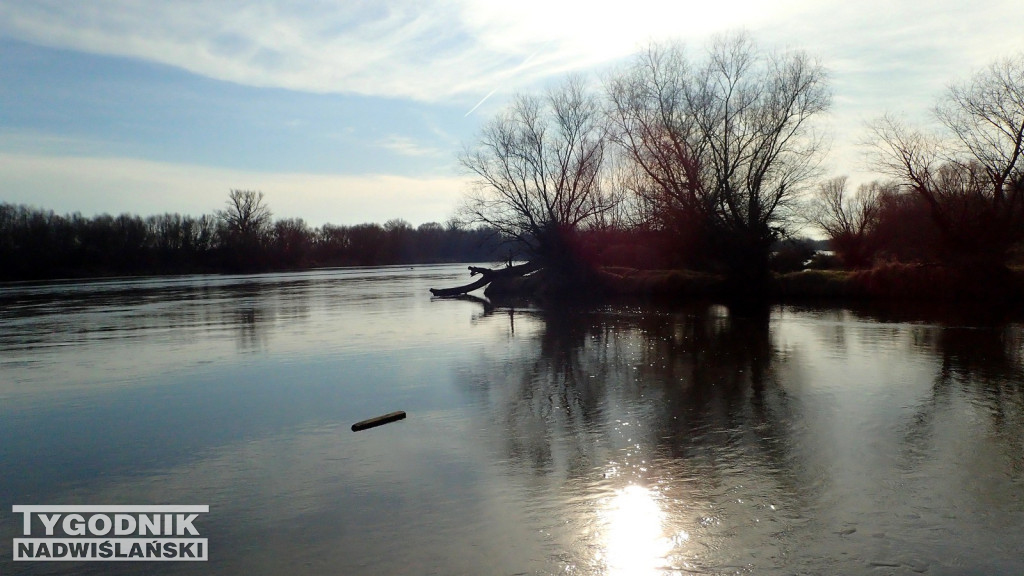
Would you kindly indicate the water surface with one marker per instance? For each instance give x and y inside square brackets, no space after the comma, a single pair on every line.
[626,439]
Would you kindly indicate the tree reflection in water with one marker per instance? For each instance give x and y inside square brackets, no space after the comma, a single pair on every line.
[708,438]
[648,426]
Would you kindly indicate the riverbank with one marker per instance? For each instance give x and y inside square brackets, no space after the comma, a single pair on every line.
[890,281]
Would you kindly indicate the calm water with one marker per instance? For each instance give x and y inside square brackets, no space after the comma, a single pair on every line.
[622,440]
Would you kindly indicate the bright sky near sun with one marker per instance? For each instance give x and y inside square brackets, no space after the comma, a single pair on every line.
[349,111]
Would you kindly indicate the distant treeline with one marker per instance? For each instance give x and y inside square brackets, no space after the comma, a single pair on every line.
[39,244]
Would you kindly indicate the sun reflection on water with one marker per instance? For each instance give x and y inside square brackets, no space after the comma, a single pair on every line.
[635,542]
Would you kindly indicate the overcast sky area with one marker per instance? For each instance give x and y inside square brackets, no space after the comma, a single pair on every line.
[347,112]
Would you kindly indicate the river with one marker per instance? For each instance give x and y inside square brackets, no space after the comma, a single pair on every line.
[623,439]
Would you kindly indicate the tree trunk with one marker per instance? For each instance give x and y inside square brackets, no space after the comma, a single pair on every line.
[487,276]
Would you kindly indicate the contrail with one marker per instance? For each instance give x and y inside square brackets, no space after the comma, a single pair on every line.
[491,93]
[484,99]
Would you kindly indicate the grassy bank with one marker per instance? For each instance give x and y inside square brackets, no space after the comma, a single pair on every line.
[890,281]
[660,283]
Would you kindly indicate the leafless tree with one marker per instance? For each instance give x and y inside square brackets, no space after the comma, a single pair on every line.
[539,169]
[246,217]
[652,124]
[837,212]
[970,173]
[848,219]
[729,137]
[636,208]
[986,118]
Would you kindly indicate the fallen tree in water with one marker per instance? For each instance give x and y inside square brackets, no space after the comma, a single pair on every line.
[487,276]
[532,280]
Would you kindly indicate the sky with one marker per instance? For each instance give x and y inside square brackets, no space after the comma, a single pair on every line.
[345,112]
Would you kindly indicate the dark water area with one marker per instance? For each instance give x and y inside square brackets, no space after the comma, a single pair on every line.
[624,439]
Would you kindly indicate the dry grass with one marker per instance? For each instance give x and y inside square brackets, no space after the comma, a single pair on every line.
[897,280]
[818,284]
[659,283]
[902,281]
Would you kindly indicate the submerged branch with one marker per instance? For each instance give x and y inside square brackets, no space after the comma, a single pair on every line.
[487,276]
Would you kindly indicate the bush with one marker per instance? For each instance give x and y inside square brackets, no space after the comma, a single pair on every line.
[660,283]
[900,280]
[817,284]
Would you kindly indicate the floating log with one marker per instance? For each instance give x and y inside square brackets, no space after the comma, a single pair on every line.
[379,420]
[487,276]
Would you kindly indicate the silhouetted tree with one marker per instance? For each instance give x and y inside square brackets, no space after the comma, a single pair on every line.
[331,244]
[245,227]
[726,143]
[849,220]
[971,175]
[246,216]
[398,245]
[538,170]
[292,241]
[429,242]
[366,244]
[905,230]
[177,243]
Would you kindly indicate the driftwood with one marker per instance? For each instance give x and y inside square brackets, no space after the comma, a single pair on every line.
[487,276]
[379,420]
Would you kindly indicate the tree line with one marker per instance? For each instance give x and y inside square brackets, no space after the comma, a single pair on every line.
[716,156]
[242,237]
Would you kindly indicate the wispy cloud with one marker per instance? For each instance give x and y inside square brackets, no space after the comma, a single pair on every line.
[406,146]
[432,50]
[426,50]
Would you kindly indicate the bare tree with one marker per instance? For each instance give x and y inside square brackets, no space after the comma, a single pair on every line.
[986,118]
[636,207]
[538,169]
[970,174]
[728,138]
[246,218]
[849,219]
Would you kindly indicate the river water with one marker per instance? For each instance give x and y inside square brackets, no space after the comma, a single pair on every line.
[624,439]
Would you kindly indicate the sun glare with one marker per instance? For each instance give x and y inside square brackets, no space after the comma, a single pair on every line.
[634,543]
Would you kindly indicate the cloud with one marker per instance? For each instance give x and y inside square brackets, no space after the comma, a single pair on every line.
[398,48]
[407,146]
[429,50]
[113,185]
[441,50]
